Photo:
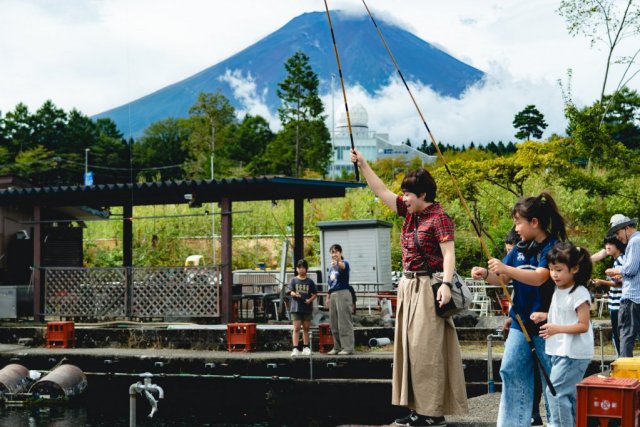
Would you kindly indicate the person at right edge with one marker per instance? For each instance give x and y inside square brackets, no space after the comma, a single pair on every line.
[539,225]
[624,228]
[428,377]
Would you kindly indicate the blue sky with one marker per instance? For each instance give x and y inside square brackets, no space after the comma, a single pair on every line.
[94,55]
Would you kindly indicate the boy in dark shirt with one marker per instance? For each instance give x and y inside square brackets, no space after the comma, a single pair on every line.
[302,291]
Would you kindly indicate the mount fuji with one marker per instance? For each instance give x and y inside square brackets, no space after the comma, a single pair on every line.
[363,58]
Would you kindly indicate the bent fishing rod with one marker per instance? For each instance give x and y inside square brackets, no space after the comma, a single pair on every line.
[476,226]
[344,92]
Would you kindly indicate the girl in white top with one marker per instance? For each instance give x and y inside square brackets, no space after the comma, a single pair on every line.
[568,333]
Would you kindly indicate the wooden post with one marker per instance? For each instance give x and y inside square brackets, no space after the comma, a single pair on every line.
[298,230]
[226,305]
[38,294]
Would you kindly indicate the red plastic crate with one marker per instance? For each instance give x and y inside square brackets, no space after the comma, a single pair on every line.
[60,334]
[325,338]
[241,336]
[602,399]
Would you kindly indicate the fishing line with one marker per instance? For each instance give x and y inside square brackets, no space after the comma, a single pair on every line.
[344,92]
[476,225]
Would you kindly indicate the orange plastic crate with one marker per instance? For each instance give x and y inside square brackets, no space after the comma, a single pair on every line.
[325,338]
[60,334]
[602,399]
[241,336]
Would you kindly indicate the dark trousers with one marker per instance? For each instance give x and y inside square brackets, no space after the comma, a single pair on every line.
[615,330]
[629,326]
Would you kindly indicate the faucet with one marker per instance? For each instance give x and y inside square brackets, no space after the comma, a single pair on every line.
[146,388]
[490,381]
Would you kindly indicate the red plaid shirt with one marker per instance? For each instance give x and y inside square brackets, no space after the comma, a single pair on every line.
[434,227]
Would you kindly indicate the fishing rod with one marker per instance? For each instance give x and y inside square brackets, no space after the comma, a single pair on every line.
[476,225]
[344,92]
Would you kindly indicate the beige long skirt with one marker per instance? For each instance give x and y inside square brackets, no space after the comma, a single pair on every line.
[427,366]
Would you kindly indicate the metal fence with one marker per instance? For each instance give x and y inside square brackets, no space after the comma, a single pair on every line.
[118,292]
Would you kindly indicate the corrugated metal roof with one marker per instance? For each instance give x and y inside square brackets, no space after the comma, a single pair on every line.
[170,192]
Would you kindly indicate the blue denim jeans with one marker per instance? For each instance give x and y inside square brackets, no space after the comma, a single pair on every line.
[516,372]
[565,374]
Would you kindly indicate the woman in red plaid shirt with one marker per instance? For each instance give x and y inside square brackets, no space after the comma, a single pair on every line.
[428,377]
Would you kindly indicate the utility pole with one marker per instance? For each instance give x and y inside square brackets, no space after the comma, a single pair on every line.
[213,205]
[298,135]
[86,165]
[86,161]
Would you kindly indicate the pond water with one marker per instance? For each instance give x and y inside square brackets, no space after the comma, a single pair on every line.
[219,402]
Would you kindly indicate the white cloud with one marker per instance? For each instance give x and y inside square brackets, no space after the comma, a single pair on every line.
[96,55]
[245,90]
[484,113]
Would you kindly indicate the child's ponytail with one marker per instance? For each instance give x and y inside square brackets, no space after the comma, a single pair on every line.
[545,209]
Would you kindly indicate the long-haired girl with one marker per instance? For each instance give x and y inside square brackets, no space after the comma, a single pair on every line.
[568,332]
[539,225]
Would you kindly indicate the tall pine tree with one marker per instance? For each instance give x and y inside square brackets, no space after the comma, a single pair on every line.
[303,142]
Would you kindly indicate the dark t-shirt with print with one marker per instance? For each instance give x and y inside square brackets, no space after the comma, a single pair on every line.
[305,287]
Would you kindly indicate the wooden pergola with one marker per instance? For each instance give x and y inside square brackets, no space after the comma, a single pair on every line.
[224,192]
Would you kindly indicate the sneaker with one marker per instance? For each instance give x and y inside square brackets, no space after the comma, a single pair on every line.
[344,353]
[295,352]
[332,352]
[404,421]
[434,421]
[536,420]
[414,419]
[306,351]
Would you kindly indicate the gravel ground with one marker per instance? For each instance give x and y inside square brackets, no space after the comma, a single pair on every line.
[483,412]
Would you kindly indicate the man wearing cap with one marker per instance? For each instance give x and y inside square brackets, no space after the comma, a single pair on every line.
[624,228]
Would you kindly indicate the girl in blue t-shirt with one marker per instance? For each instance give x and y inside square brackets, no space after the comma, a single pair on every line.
[539,225]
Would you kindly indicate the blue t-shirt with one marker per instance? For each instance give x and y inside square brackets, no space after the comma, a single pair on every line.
[338,279]
[526,298]
[305,287]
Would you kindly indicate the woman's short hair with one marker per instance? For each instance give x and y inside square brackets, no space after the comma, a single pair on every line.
[418,182]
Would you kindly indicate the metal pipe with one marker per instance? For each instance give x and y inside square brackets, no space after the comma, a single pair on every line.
[491,388]
[601,348]
[146,388]
[311,355]
[132,405]
[379,342]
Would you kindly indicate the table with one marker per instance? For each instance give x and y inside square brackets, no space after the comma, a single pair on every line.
[499,301]
[366,292]
[260,304]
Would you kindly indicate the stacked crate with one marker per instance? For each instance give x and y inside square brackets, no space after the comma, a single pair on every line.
[60,334]
[325,338]
[241,337]
[602,399]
